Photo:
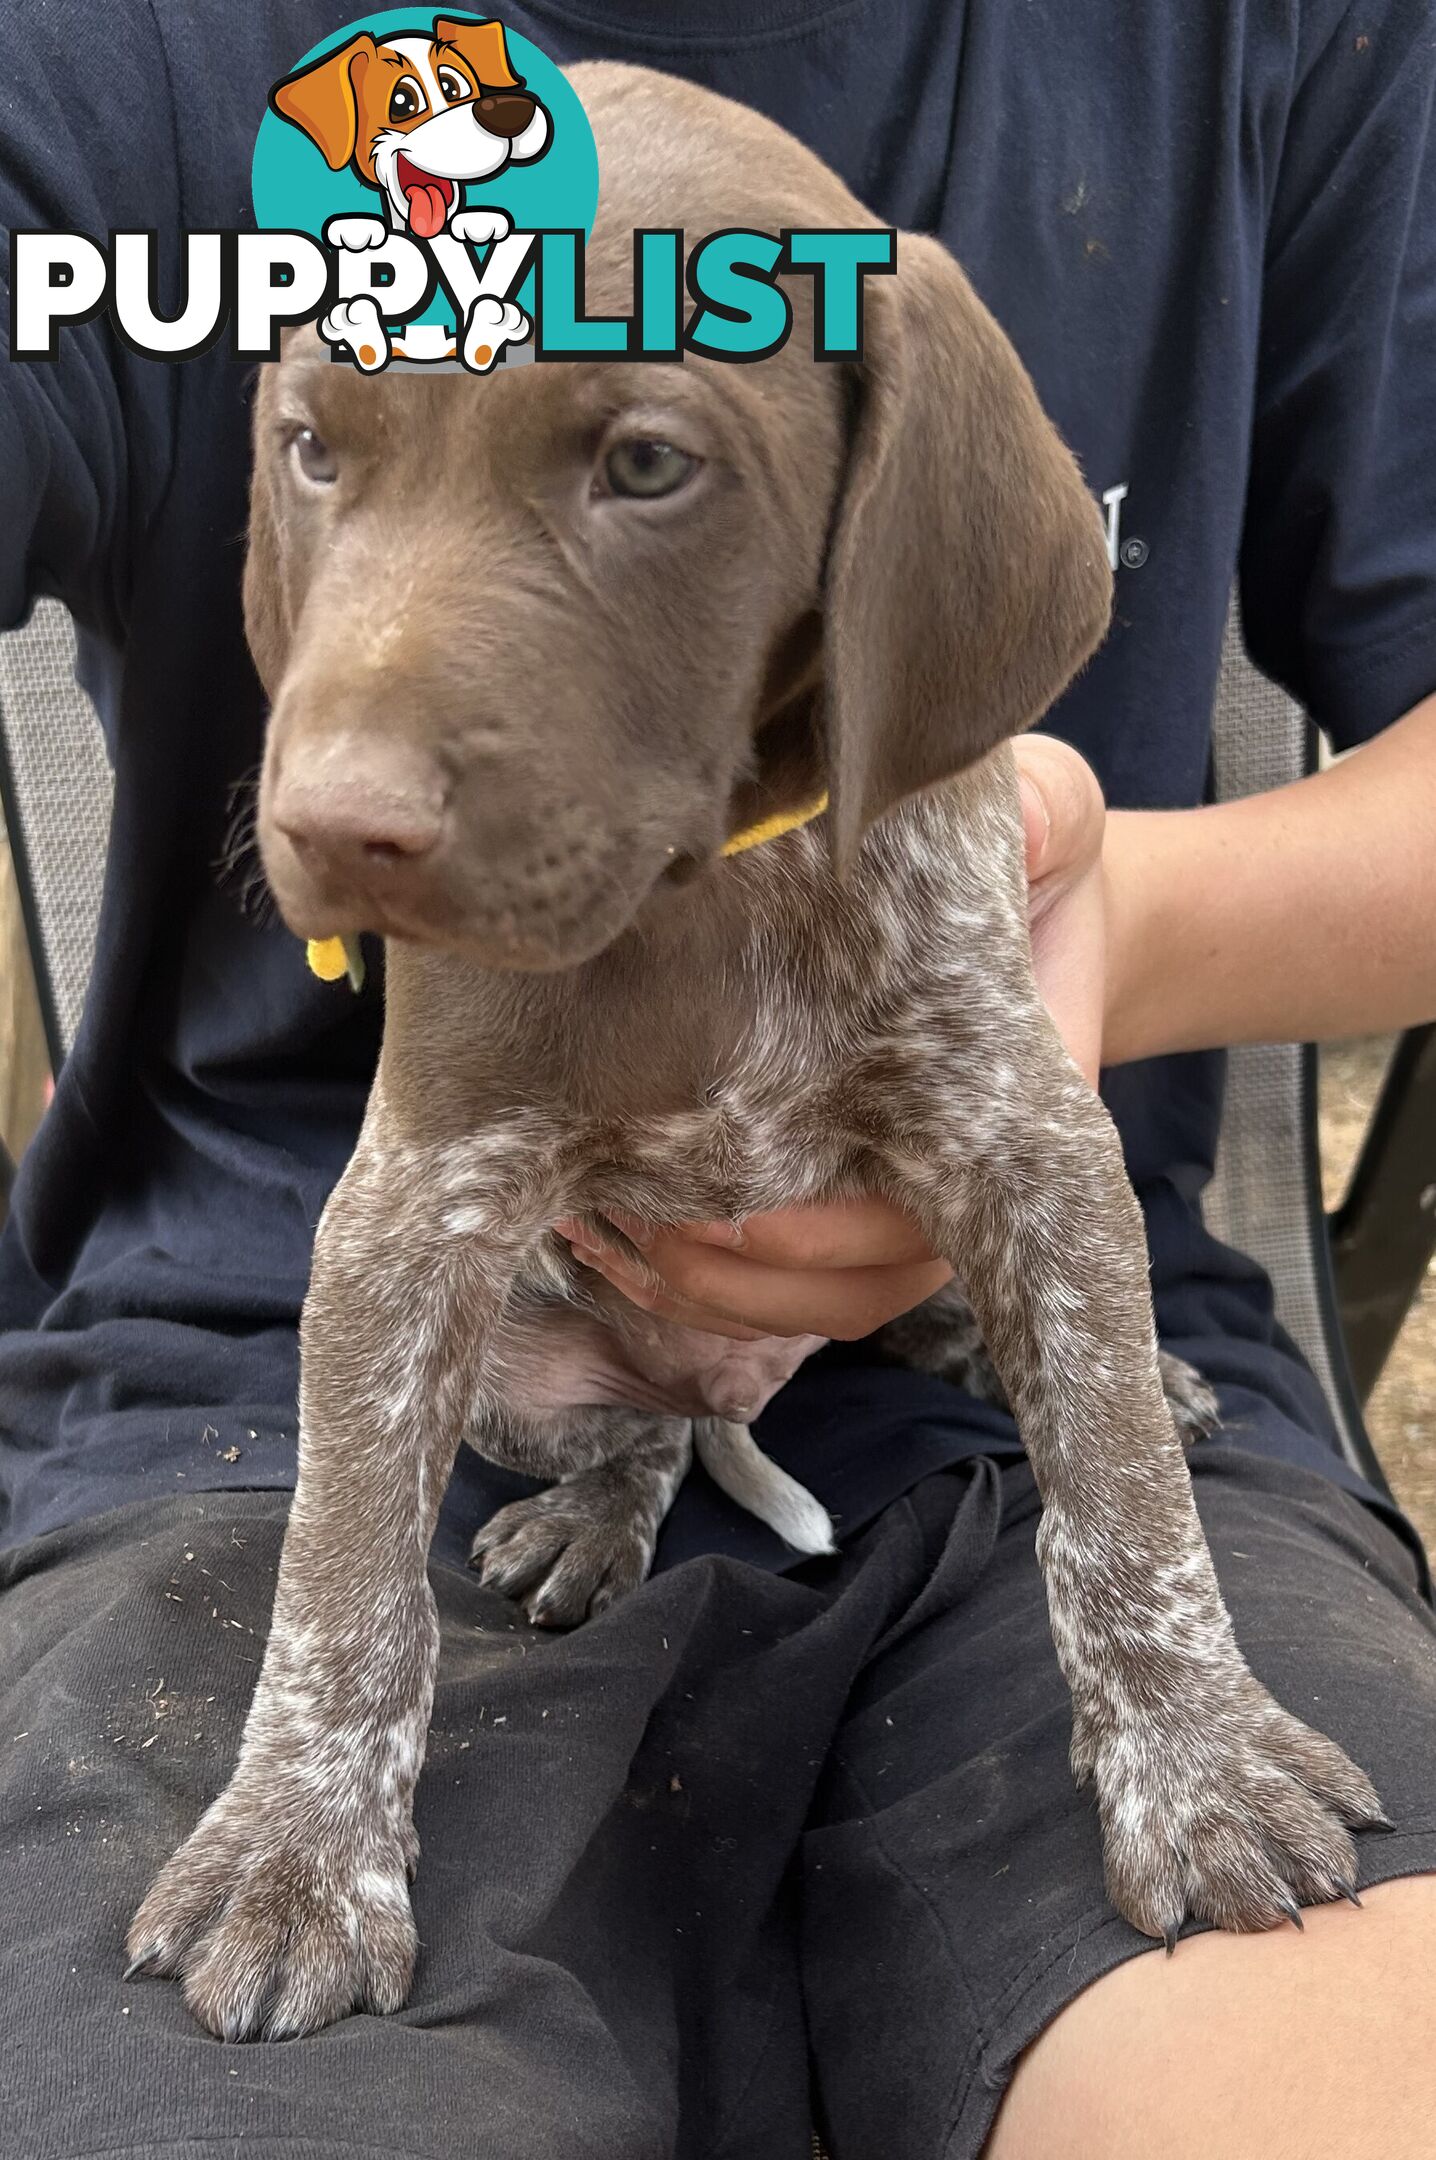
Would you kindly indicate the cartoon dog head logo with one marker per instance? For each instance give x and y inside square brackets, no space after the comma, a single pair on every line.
[418,114]
[363,159]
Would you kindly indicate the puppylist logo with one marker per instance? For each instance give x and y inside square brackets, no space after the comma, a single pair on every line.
[423,187]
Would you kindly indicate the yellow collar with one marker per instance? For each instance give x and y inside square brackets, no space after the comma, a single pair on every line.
[331,957]
[773,828]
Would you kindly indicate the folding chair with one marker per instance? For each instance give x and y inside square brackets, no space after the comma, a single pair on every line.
[1343,1284]
[56,790]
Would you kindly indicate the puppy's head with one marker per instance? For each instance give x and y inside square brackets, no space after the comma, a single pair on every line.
[418,114]
[538,644]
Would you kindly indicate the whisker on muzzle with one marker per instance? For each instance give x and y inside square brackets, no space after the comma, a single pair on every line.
[239,868]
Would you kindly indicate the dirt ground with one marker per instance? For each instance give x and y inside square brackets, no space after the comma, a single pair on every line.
[1401,1415]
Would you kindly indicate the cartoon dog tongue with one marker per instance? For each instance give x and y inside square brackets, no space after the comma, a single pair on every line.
[427,202]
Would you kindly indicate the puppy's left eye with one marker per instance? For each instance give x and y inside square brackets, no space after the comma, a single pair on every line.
[454,86]
[643,466]
[407,100]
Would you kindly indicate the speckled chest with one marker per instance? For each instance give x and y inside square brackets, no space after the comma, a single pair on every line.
[756,1056]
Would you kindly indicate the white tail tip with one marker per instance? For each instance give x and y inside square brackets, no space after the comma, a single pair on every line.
[736,1463]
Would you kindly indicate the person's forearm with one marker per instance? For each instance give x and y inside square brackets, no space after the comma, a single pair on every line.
[1303,914]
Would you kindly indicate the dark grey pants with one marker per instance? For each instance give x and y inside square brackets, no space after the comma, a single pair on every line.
[748,1850]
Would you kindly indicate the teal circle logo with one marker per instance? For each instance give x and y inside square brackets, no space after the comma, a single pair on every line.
[415,118]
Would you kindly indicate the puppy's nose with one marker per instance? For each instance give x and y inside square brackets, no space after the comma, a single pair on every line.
[355,819]
[362,812]
[504,112]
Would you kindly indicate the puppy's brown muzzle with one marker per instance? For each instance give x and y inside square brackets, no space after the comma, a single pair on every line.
[362,831]
[360,820]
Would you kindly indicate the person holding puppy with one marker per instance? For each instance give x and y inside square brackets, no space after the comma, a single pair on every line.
[666,1859]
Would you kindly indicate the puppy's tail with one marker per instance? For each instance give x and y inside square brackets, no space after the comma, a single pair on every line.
[734,1461]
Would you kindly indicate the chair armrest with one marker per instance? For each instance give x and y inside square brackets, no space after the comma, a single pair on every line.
[1384,1232]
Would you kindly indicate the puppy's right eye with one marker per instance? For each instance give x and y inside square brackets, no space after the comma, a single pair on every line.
[314,458]
[643,466]
[407,101]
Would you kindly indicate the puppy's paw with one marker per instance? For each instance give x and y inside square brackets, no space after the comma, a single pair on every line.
[479,227]
[1234,1812]
[356,233]
[567,1553]
[1196,1413]
[492,324]
[359,325]
[276,1926]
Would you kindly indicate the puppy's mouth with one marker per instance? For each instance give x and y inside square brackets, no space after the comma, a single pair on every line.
[528,917]
[429,197]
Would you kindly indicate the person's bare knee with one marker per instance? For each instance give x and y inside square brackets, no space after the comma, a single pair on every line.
[1307,2045]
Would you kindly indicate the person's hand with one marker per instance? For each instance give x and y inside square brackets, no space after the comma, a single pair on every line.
[1064,821]
[844,1268]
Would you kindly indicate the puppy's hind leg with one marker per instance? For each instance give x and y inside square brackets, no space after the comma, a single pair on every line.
[575,1548]
[942,1336]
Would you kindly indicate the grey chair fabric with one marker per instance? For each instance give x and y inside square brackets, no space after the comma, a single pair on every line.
[1265,1198]
[58,797]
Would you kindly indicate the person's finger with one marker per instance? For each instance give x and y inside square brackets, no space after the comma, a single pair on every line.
[650,1296]
[730,1288]
[867,1232]
[1064,820]
[1063,812]
[1070,967]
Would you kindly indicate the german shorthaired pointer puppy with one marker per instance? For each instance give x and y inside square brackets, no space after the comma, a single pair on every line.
[538,647]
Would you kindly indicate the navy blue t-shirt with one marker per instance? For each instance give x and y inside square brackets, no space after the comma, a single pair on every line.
[1211,233]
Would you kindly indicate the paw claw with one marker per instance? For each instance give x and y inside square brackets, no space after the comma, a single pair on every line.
[1347,1889]
[1238,1817]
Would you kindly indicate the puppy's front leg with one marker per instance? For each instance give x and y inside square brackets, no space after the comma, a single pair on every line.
[1214,1801]
[289,1905]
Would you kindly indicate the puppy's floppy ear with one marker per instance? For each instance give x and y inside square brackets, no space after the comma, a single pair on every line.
[322,100]
[268,609]
[483,45]
[967,573]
